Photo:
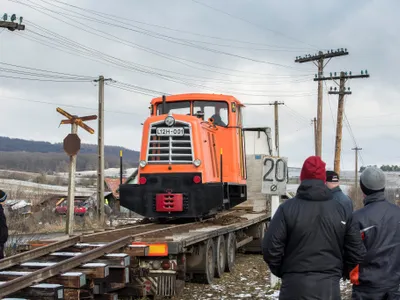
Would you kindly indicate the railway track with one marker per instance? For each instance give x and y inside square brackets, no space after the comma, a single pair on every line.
[62,270]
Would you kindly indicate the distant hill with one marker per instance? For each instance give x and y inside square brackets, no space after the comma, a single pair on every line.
[38,156]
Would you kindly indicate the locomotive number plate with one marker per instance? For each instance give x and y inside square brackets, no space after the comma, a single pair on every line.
[168,131]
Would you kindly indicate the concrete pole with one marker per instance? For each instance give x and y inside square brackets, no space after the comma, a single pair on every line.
[71,189]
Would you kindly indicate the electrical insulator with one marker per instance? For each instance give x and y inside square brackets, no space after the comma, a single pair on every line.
[13,18]
[5,17]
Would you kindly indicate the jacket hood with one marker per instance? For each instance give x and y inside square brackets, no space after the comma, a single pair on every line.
[375,197]
[314,190]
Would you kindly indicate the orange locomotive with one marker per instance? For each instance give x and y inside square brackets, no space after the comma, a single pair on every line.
[192,158]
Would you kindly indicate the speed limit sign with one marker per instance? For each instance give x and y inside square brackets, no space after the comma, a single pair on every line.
[275,175]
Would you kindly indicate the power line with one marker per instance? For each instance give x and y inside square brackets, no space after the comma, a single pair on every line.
[157,34]
[254,24]
[119,18]
[146,49]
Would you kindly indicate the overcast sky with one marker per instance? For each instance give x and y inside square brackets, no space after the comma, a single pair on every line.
[245,48]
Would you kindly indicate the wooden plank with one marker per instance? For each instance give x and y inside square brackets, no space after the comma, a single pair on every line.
[68,279]
[61,267]
[119,275]
[42,291]
[137,250]
[111,259]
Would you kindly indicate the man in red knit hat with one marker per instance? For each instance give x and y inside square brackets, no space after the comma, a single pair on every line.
[311,241]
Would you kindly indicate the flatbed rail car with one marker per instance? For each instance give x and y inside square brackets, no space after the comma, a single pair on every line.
[157,259]
[200,251]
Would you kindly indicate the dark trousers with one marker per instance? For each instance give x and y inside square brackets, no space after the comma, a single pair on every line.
[1,251]
[310,286]
[373,294]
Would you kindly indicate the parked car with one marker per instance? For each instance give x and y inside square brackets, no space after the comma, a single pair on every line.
[79,208]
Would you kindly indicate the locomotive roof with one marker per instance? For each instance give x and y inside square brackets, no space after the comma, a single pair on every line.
[198,97]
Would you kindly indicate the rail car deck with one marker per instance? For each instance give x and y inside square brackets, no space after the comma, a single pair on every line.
[107,265]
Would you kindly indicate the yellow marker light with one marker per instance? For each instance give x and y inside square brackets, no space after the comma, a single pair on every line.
[157,249]
[120,153]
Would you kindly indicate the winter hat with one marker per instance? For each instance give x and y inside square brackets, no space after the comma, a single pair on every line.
[372,180]
[3,196]
[313,168]
[332,176]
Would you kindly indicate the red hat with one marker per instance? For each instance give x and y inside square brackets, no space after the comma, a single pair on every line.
[313,168]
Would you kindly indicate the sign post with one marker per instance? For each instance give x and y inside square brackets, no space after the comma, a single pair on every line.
[72,145]
[274,180]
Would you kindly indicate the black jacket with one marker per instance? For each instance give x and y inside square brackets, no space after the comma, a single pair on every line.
[312,234]
[379,223]
[342,198]
[3,227]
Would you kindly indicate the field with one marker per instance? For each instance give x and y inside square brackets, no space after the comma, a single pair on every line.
[250,280]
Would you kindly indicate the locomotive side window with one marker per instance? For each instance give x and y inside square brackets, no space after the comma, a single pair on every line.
[179,107]
[213,109]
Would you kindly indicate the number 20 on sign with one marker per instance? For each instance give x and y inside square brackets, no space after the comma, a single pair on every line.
[274,175]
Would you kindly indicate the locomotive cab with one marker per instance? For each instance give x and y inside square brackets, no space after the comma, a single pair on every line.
[192,159]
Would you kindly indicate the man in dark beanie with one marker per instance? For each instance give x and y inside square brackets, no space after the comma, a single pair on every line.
[3,224]
[378,276]
[333,183]
[310,239]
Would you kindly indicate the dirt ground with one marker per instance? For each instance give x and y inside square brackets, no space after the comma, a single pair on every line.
[250,280]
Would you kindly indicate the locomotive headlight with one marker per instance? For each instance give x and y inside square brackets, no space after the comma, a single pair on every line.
[197,162]
[142,163]
[169,121]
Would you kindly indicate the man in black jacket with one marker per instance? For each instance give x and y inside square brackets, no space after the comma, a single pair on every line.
[311,238]
[3,224]
[378,276]
[332,182]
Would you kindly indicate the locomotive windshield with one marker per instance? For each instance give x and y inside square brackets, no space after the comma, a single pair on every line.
[217,110]
[179,107]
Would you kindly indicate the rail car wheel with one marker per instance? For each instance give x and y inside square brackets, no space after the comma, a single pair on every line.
[208,264]
[220,256]
[230,252]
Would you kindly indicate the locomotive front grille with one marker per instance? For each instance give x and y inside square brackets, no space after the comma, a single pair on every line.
[170,149]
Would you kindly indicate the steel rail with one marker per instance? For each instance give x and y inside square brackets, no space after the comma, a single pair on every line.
[22,282]
[11,261]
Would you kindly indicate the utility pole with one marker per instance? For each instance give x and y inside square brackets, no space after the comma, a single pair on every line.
[276,103]
[356,170]
[314,122]
[100,148]
[343,77]
[11,25]
[318,60]
[276,120]
[72,145]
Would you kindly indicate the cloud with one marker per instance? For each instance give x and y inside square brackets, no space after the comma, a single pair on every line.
[132,54]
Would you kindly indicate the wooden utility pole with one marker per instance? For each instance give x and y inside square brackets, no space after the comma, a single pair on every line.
[318,60]
[314,122]
[100,148]
[72,145]
[11,25]
[343,77]
[356,168]
[276,103]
